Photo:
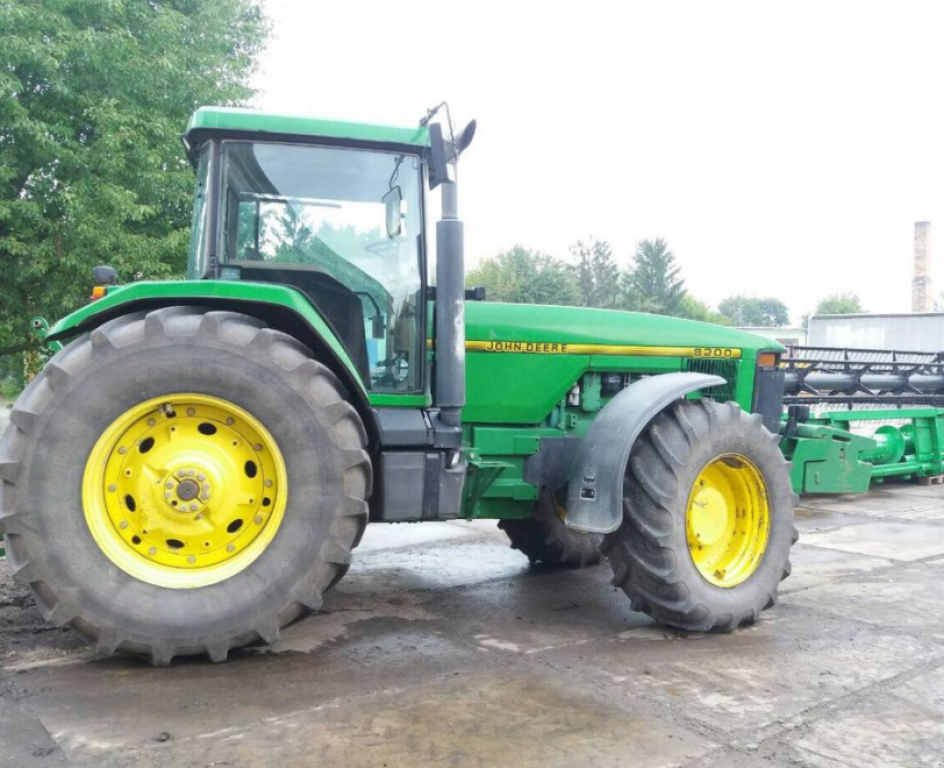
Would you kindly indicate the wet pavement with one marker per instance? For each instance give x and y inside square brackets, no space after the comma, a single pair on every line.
[443,647]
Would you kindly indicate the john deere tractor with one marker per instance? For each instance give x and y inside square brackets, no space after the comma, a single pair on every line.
[196,464]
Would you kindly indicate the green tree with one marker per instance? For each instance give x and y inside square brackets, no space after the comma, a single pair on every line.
[93,98]
[840,304]
[295,241]
[652,283]
[693,309]
[523,276]
[597,274]
[752,311]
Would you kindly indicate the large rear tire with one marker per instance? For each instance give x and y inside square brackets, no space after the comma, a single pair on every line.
[707,519]
[250,440]
[544,538]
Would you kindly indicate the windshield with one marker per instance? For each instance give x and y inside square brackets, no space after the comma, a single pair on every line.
[341,225]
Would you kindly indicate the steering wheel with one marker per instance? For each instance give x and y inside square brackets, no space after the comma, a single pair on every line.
[394,370]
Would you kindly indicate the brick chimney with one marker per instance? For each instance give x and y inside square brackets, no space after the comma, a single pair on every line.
[921,282]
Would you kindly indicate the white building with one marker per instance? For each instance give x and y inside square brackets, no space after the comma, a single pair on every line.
[788,336]
[918,332]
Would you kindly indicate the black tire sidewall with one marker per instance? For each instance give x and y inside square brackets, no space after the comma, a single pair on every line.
[747,438]
[586,545]
[51,487]
[545,538]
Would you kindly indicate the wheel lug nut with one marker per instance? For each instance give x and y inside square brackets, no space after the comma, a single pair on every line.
[257,447]
[112,487]
[230,547]
[169,484]
[181,473]
[205,496]
[190,473]
[122,450]
[268,483]
[191,559]
[152,551]
[151,422]
[230,421]
[193,507]
[201,478]
[190,411]
[258,520]
[123,524]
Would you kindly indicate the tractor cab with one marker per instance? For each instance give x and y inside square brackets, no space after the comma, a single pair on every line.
[333,210]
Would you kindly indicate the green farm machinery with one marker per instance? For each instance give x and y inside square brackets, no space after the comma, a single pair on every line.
[199,458]
[855,417]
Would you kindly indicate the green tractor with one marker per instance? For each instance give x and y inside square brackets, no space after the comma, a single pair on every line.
[194,467]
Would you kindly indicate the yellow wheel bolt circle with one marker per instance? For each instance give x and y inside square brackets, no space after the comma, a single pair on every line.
[728,520]
[157,521]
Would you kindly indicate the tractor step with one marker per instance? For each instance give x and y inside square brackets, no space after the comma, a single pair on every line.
[931,480]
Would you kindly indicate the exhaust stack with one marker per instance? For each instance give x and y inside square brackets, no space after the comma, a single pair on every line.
[449,391]
[450,309]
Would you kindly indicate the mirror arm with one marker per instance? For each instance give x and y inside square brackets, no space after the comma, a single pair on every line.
[371,299]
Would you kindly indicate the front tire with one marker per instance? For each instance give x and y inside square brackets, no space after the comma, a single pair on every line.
[707,519]
[545,538]
[217,399]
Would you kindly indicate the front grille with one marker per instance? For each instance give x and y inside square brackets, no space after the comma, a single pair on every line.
[726,369]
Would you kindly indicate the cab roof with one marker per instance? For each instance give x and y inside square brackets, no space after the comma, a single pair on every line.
[214,120]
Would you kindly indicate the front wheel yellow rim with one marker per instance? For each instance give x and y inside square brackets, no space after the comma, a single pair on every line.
[184,491]
[728,520]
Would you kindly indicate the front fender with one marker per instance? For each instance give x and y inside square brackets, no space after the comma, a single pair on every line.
[280,306]
[595,494]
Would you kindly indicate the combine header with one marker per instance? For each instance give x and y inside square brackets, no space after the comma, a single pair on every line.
[858,416]
[850,377]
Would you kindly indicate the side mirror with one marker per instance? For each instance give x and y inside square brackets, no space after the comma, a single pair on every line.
[392,205]
[379,327]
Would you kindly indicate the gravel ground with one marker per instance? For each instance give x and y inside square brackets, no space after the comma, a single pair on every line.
[443,647]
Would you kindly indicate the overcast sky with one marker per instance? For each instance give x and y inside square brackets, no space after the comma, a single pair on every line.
[781,148]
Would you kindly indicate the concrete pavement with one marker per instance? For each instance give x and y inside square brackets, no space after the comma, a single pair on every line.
[443,647]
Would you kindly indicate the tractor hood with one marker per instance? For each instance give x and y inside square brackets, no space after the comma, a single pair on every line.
[490,325]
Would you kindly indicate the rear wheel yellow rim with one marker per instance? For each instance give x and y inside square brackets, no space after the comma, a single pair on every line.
[184,491]
[728,520]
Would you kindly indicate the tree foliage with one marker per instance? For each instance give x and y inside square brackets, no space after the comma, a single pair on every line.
[653,282]
[93,99]
[598,276]
[840,304]
[752,311]
[694,309]
[523,276]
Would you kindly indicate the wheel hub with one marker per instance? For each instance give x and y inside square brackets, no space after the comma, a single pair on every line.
[728,520]
[184,491]
[187,490]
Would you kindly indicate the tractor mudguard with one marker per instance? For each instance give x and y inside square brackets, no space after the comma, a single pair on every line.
[281,307]
[594,497]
